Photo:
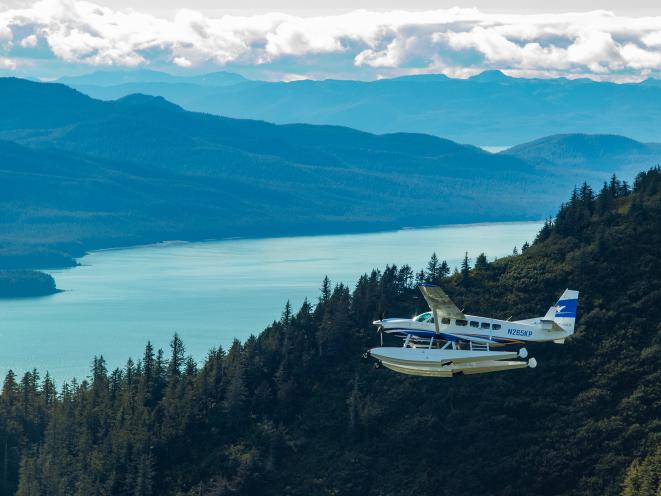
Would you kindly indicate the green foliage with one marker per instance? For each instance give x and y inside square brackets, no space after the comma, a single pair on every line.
[644,477]
[295,411]
[435,271]
[481,262]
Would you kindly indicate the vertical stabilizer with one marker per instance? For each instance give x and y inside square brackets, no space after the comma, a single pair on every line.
[564,312]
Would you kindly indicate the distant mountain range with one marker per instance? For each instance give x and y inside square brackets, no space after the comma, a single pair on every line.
[488,109]
[80,173]
[111,78]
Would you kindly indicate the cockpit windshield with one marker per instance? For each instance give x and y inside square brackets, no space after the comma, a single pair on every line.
[424,317]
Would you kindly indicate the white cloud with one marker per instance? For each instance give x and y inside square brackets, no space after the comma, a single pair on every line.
[182,62]
[6,63]
[457,42]
[29,41]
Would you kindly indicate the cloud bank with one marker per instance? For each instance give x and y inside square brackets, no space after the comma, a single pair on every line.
[456,42]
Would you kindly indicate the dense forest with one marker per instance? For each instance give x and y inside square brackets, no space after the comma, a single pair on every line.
[296,411]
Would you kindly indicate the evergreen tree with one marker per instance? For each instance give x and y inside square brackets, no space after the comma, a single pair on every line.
[481,262]
[325,290]
[465,267]
[237,394]
[148,374]
[433,270]
[286,314]
[177,353]
[444,270]
[405,278]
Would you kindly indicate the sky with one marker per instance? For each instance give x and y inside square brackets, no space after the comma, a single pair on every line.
[297,39]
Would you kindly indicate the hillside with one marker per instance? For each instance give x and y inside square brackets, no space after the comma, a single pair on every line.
[296,411]
[487,109]
[78,172]
[590,153]
[25,283]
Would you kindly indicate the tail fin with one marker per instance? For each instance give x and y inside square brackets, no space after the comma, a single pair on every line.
[564,311]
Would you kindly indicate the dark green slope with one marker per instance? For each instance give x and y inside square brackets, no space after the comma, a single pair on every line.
[51,196]
[296,411]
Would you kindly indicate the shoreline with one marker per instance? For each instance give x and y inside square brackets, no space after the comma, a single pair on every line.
[76,261]
[316,235]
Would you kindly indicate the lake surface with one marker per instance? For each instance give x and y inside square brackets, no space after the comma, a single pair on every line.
[494,149]
[209,292]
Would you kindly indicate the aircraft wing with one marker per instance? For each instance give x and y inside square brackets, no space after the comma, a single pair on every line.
[440,303]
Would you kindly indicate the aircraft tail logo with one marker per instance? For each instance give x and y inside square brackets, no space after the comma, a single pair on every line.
[565,310]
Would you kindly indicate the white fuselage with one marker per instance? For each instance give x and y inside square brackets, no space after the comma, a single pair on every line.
[475,329]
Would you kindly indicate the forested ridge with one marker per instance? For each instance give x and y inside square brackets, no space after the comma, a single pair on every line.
[78,174]
[295,411]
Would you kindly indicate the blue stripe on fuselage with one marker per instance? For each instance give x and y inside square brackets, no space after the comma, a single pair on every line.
[403,332]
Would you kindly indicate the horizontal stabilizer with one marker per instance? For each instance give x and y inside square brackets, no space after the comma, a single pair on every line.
[551,325]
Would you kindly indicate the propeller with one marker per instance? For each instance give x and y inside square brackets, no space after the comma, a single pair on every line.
[379,330]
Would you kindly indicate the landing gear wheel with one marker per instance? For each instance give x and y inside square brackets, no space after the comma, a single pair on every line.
[377,365]
[365,355]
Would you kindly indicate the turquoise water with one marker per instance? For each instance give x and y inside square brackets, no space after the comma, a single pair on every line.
[209,292]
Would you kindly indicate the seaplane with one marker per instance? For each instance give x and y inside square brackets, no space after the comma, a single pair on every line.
[445,342]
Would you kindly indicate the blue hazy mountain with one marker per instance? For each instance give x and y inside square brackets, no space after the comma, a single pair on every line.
[589,153]
[137,76]
[488,109]
[89,173]
[140,168]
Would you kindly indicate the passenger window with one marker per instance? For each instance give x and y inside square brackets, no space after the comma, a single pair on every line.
[445,321]
[461,322]
[495,327]
[485,325]
[474,323]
